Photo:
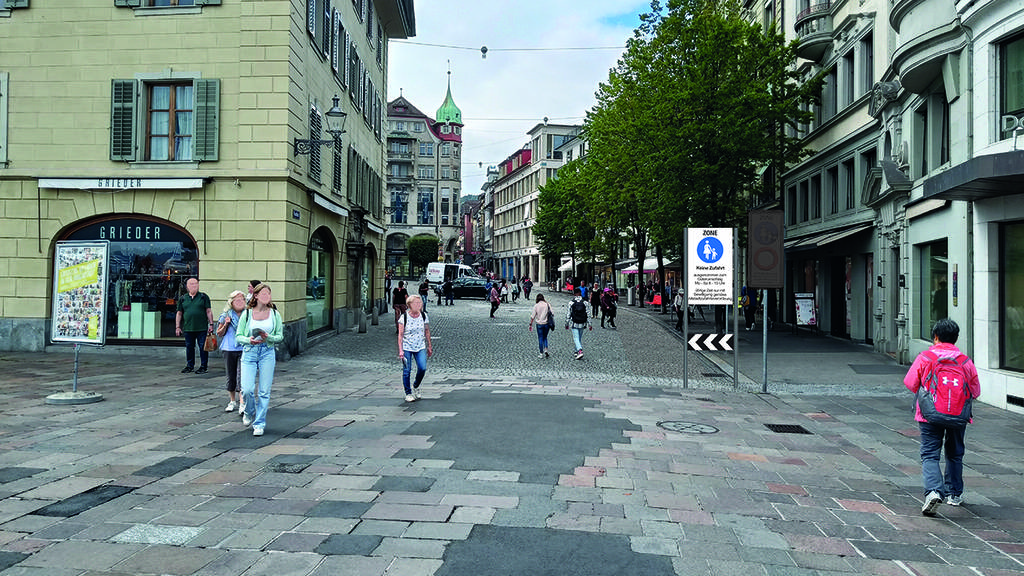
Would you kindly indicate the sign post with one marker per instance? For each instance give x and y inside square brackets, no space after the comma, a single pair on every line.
[79,305]
[710,255]
[765,268]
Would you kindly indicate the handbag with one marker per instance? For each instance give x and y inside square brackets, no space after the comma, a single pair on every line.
[551,318]
[211,343]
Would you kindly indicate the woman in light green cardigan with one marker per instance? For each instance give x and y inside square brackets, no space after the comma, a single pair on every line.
[259,329]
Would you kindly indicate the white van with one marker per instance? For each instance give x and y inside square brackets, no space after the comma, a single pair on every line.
[438,272]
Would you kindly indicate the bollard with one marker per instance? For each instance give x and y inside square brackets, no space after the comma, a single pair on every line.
[375,320]
[362,321]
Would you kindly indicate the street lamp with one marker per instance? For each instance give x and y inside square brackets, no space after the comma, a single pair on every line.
[335,127]
[401,197]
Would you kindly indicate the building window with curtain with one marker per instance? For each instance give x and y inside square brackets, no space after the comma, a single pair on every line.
[934,291]
[399,205]
[425,206]
[1011,289]
[1011,75]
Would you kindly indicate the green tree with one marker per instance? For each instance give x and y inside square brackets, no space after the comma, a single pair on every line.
[422,250]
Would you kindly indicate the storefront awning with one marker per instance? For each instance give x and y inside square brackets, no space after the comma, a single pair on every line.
[650,266]
[987,176]
[566,266]
[821,239]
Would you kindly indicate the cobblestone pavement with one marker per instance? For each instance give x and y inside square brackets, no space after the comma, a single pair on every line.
[509,465]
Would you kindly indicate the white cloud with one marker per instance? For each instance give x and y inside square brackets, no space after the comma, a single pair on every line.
[520,87]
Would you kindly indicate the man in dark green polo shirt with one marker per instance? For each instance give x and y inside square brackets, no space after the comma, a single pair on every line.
[195,320]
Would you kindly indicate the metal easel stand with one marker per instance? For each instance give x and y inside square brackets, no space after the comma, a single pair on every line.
[75,396]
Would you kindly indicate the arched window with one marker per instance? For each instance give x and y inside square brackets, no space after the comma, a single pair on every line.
[319,281]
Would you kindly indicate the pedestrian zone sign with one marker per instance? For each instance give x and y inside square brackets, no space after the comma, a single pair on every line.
[709,265]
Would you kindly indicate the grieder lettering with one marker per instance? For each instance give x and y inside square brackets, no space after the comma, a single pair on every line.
[711,232]
[129,232]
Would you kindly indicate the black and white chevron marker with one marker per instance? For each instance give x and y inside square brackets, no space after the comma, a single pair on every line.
[712,342]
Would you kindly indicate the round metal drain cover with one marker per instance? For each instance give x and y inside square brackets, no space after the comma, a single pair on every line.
[687,427]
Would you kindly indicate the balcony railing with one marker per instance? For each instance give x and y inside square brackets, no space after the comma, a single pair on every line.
[812,10]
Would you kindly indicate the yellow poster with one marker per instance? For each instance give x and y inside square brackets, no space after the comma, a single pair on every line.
[94,327]
[77,276]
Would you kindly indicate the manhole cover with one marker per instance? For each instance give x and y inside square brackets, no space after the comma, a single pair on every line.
[687,427]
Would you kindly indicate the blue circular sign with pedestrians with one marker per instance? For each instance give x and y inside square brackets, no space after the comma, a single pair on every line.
[710,250]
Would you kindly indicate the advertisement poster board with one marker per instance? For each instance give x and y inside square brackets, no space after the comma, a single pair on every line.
[79,295]
[806,311]
[710,265]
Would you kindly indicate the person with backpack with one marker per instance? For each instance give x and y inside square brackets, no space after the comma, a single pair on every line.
[577,318]
[414,345]
[945,383]
[608,307]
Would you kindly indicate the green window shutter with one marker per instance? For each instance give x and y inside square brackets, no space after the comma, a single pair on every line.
[3,117]
[207,118]
[16,3]
[128,3]
[122,120]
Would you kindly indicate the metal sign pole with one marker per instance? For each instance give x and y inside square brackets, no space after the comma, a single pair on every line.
[686,311]
[735,315]
[764,348]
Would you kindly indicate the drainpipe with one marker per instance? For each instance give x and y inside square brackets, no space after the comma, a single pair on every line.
[968,271]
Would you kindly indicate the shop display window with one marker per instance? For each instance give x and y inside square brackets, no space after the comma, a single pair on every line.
[934,286]
[1011,319]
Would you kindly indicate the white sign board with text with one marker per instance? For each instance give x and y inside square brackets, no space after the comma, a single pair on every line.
[709,265]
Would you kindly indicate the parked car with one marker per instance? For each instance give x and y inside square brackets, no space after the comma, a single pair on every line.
[465,287]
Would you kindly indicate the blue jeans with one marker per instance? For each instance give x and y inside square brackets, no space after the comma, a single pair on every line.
[577,338]
[191,340]
[542,337]
[934,439]
[421,368]
[260,358]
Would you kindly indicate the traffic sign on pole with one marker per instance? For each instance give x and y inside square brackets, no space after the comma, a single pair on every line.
[711,342]
[765,267]
[710,265]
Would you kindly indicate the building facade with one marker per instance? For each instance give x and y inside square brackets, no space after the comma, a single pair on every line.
[910,209]
[192,137]
[515,193]
[424,180]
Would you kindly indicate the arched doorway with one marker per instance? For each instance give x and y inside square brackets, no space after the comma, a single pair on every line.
[150,260]
[319,281]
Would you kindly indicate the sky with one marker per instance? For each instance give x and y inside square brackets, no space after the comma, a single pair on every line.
[510,91]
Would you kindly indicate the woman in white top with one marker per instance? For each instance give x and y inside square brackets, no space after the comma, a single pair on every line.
[541,311]
[259,328]
[414,344]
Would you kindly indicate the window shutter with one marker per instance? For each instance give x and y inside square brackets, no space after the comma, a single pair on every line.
[16,3]
[122,120]
[128,3]
[207,120]
[314,149]
[311,17]
[3,117]
[335,27]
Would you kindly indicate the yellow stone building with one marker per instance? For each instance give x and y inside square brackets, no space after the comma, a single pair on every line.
[171,129]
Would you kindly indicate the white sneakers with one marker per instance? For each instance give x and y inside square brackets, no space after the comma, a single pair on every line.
[955,500]
[410,398]
[245,420]
[416,393]
[931,503]
[579,354]
[257,431]
[231,406]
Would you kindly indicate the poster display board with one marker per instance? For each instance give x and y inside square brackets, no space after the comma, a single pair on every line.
[79,295]
[710,265]
[806,311]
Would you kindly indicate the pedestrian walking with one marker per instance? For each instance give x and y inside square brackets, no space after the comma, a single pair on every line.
[527,287]
[577,319]
[398,298]
[414,345]
[608,307]
[449,292]
[748,302]
[504,291]
[945,382]
[595,300]
[495,297]
[259,328]
[227,330]
[194,319]
[424,292]
[679,308]
[544,316]
[515,290]
[387,287]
